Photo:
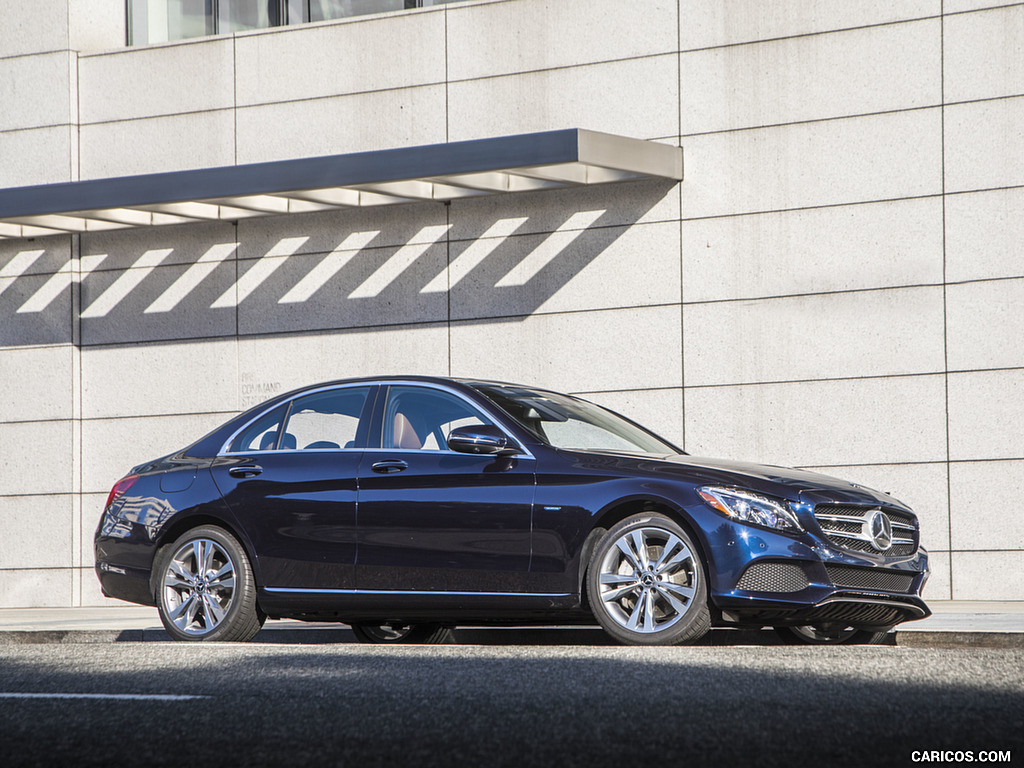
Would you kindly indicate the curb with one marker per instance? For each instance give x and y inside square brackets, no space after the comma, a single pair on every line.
[312,636]
[486,636]
[952,639]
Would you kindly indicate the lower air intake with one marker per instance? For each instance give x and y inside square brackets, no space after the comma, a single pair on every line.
[870,578]
[773,577]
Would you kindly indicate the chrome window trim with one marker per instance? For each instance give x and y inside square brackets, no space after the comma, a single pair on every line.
[444,452]
[387,384]
[224,448]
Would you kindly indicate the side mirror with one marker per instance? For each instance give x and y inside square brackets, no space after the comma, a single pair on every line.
[483,438]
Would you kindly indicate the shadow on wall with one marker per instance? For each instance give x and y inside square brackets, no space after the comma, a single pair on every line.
[478,259]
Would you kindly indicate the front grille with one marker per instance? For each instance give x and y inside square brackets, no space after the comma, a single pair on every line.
[846,526]
[870,578]
[773,577]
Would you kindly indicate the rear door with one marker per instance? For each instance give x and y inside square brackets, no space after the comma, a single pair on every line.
[290,478]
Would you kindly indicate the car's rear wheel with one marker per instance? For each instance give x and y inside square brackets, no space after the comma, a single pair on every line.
[206,590]
[829,634]
[419,634]
[646,584]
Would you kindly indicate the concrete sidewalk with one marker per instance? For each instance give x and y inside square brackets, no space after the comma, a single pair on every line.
[953,623]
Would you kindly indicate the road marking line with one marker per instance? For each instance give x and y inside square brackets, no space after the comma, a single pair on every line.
[119,696]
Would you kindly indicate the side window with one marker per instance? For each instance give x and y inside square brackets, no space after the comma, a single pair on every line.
[419,418]
[324,420]
[260,435]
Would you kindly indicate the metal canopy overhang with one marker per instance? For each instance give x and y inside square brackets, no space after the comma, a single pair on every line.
[435,172]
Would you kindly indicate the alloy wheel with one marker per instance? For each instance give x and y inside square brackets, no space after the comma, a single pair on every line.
[199,585]
[648,580]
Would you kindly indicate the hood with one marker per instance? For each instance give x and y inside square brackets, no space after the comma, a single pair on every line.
[804,485]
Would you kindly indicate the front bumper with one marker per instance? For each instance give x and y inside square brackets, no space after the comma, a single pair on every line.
[761,577]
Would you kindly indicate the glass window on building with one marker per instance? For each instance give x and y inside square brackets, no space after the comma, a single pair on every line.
[240,15]
[158,21]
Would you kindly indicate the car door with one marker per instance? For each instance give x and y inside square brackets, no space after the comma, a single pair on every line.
[289,478]
[433,520]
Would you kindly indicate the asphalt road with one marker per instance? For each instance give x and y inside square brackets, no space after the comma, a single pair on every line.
[352,705]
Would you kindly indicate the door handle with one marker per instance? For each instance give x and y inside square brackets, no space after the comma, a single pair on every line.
[245,470]
[388,466]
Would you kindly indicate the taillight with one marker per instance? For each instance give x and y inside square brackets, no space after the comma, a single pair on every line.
[119,489]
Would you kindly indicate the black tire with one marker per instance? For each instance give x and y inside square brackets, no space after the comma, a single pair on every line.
[657,593]
[402,634]
[212,600]
[829,635]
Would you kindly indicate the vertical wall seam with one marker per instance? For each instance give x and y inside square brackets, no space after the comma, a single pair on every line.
[74,172]
[448,208]
[682,262]
[235,257]
[945,285]
[75,162]
[448,270]
[447,120]
[238,244]
[234,96]
[77,439]
[238,337]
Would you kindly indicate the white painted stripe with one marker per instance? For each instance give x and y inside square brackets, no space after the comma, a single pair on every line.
[16,267]
[477,251]
[331,264]
[193,276]
[264,267]
[114,696]
[126,283]
[59,282]
[402,259]
[551,246]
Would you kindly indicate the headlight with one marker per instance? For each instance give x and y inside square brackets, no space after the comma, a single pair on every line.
[748,507]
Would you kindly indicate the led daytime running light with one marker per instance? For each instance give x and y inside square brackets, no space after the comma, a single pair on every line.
[748,507]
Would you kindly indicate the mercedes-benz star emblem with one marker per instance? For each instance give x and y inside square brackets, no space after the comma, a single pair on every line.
[880,530]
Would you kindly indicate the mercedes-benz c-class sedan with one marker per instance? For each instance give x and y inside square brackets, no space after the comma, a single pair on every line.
[404,506]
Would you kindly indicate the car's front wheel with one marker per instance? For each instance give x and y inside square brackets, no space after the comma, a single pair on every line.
[646,584]
[206,590]
[421,634]
[829,634]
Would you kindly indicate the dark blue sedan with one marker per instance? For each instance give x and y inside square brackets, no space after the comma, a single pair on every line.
[404,506]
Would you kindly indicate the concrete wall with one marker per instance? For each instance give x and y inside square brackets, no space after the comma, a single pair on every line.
[835,284]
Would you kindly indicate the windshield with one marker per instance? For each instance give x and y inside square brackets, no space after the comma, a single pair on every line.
[571,423]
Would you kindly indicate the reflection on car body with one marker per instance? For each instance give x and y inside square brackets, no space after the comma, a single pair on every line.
[407,505]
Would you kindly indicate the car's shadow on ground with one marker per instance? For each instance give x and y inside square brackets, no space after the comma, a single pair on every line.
[495,636]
